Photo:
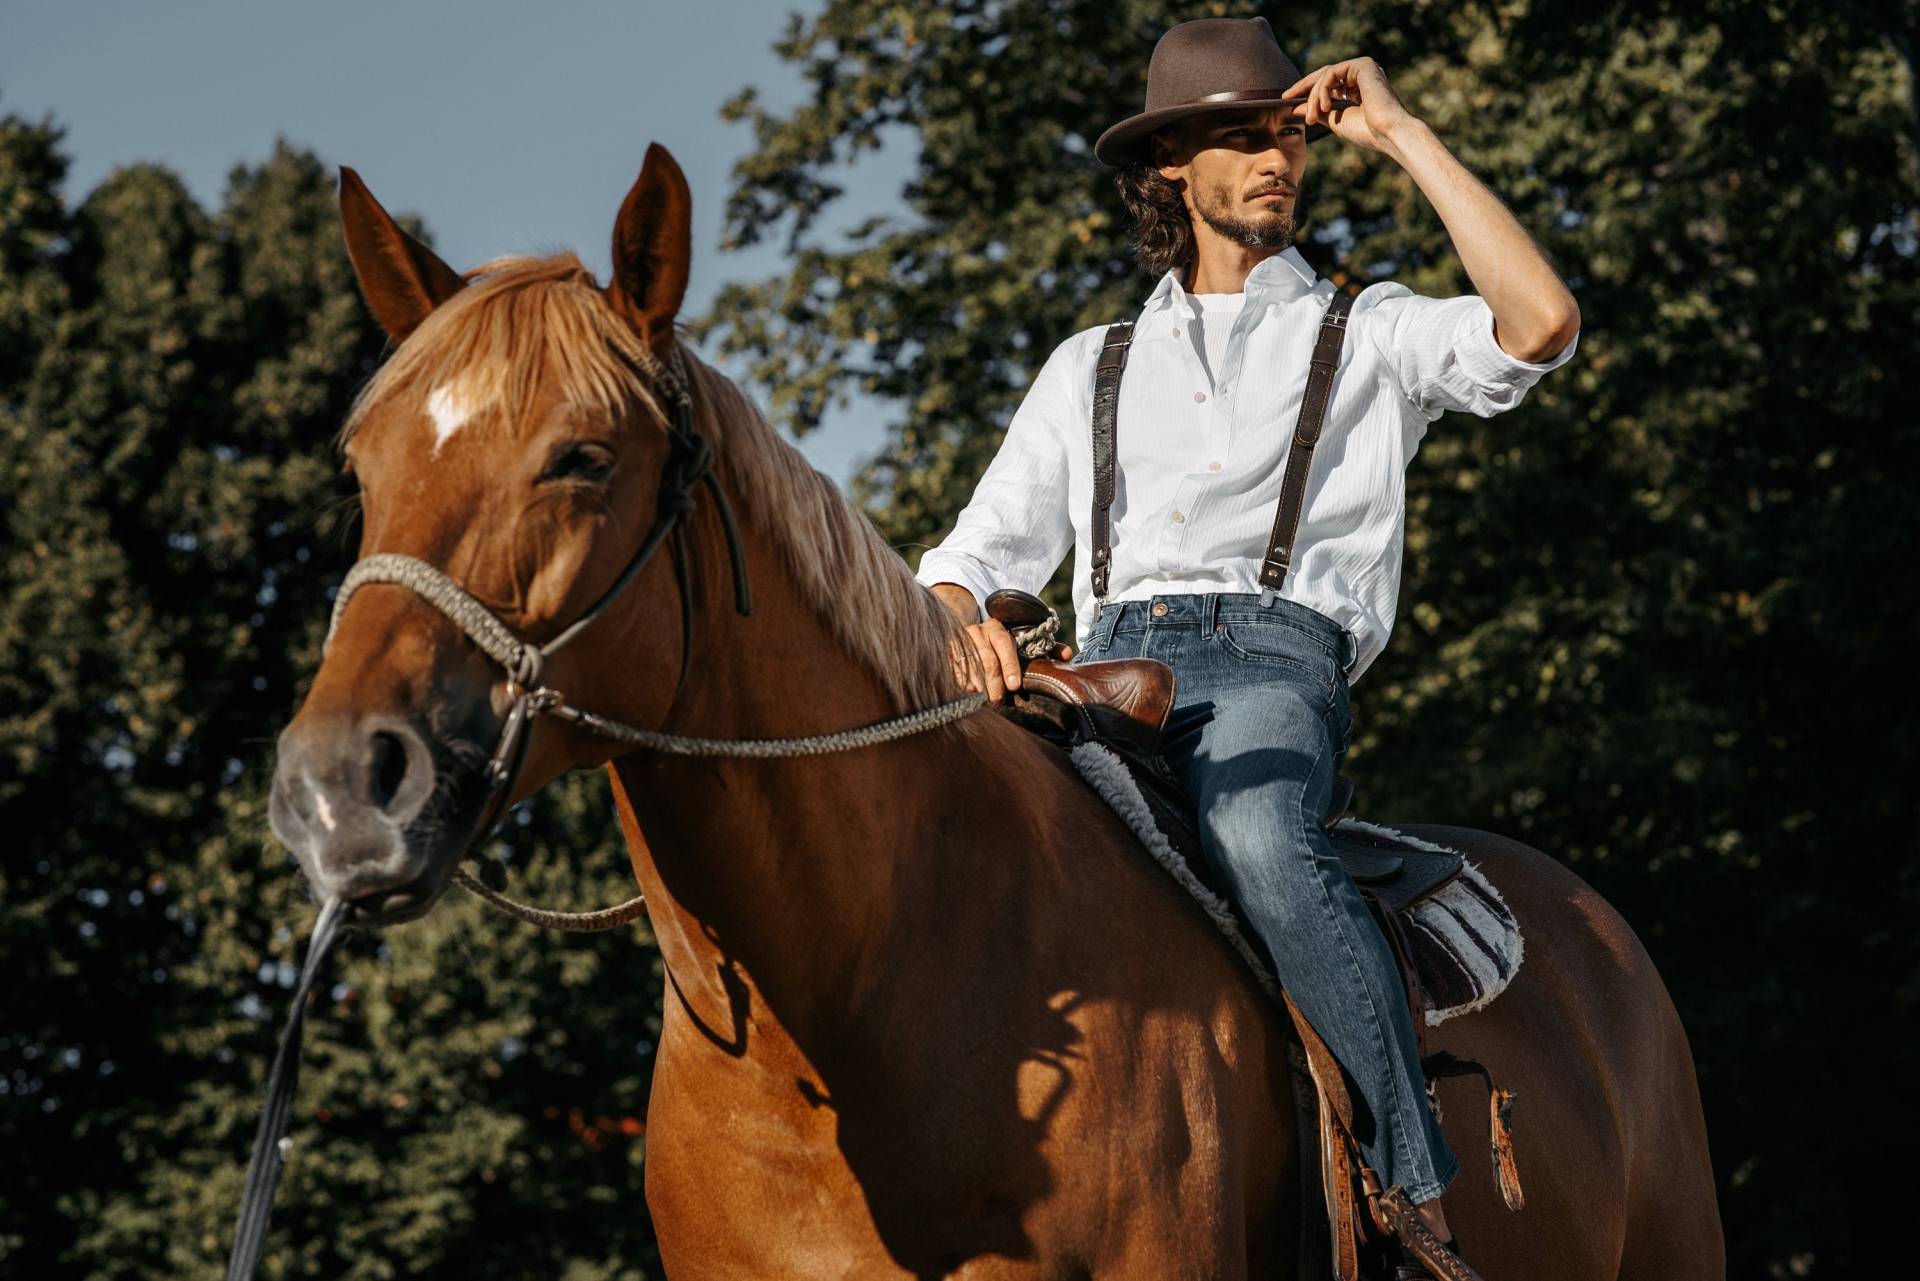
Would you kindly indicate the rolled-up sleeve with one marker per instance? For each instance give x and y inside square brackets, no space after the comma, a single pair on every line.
[1015,529]
[1444,356]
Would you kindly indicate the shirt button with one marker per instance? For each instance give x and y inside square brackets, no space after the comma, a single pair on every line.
[1213,466]
[1179,518]
[1199,397]
[1159,609]
[1176,331]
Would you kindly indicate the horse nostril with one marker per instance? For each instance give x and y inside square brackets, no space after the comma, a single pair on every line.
[389,767]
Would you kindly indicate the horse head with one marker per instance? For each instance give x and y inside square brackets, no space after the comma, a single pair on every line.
[515,443]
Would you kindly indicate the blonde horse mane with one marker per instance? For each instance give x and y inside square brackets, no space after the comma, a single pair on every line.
[523,320]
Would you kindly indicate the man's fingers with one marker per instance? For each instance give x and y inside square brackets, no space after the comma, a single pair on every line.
[992,683]
[990,670]
[1008,656]
[966,667]
[1302,83]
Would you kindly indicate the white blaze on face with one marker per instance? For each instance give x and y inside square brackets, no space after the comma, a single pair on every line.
[324,810]
[450,410]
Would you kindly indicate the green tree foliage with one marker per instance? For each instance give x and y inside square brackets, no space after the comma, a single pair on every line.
[1654,621]
[173,525]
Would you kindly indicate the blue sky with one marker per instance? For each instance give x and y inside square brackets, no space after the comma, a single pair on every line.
[510,128]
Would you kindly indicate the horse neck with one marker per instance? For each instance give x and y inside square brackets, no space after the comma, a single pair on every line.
[790,868]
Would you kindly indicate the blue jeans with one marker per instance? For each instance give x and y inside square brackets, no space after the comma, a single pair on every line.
[1259,724]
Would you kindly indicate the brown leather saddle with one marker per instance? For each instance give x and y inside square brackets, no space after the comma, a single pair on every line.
[1123,704]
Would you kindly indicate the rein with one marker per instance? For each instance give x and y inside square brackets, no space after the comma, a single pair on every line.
[689,464]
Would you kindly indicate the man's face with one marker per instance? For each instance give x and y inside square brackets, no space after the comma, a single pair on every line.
[1242,171]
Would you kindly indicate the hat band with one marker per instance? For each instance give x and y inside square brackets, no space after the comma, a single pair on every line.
[1240,95]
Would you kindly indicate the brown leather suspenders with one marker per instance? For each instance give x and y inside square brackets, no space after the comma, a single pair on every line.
[1293,486]
[1306,434]
[1106,403]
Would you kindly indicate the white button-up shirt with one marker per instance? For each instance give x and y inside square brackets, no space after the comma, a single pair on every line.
[1200,451]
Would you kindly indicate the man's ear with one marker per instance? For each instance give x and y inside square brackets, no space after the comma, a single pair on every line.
[1163,152]
[653,248]
[401,279]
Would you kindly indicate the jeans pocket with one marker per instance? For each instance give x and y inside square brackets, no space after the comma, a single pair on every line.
[1282,645]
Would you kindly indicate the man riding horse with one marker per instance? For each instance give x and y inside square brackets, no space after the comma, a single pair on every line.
[1164,482]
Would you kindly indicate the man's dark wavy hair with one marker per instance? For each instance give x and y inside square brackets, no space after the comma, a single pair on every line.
[1162,227]
[1162,230]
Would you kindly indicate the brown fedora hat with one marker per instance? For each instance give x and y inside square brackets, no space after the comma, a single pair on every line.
[1209,64]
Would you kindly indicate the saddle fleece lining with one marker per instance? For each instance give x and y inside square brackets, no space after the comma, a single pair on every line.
[1467,944]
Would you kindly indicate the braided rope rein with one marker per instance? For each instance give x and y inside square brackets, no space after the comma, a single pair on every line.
[524,662]
[1039,640]
[608,918]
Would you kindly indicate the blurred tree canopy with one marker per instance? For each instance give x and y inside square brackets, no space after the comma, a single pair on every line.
[1653,620]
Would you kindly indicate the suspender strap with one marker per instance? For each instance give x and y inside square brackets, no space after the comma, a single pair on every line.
[1106,404]
[1306,434]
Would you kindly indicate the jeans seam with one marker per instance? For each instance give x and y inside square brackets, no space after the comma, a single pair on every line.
[1388,1056]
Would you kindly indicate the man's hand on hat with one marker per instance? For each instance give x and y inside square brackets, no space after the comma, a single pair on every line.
[1358,80]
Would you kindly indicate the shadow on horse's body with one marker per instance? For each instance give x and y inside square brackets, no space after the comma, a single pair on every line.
[930,1010]
[1047,1058]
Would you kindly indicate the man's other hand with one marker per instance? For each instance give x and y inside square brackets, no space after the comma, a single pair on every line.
[989,663]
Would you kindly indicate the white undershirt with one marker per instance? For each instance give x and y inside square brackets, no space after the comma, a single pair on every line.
[1213,326]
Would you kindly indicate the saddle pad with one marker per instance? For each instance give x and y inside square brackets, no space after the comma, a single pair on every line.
[1466,943]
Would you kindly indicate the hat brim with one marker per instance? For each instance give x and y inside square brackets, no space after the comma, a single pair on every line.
[1123,144]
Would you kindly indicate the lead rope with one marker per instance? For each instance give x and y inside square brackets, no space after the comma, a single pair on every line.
[270,1142]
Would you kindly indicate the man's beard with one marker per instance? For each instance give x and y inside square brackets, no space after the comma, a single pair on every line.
[1274,231]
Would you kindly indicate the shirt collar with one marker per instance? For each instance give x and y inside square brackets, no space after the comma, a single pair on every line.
[1283,277]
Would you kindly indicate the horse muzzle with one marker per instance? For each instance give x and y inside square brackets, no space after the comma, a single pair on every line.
[370,814]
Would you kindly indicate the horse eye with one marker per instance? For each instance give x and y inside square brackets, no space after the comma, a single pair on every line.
[582,460]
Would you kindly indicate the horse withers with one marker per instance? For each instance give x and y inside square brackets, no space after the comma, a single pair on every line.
[930,1011]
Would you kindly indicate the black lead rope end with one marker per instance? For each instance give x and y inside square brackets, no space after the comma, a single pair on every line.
[269,1151]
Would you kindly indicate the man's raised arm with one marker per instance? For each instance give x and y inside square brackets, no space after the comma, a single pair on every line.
[1477,354]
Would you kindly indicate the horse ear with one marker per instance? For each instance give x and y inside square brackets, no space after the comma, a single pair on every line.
[652,248]
[402,279]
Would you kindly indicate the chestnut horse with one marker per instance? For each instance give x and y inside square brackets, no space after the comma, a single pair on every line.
[930,1009]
